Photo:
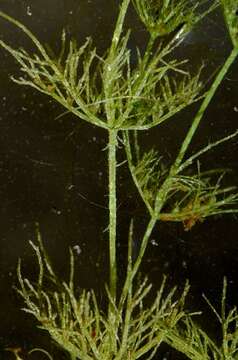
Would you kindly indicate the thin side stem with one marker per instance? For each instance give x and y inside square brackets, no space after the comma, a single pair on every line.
[119,25]
[112,210]
[207,148]
[148,50]
[159,202]
[131,168]
[184,347]
[220,76]
[162,193]
[131,274]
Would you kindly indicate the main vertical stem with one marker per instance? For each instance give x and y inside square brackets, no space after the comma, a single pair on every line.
[112,164]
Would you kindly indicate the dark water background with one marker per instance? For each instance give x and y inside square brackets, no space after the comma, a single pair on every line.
[54,171]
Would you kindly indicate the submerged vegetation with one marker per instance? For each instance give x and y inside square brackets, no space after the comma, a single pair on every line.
[125,99]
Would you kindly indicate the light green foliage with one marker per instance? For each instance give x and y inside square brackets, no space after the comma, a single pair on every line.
[228,320]
[115,95]
[76,323]
[196,344]
[125,97]
[230,10]
[59,77]
[189,198]
[163,17]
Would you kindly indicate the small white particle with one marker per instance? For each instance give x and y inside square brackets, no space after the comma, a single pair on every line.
[28,10]
[77,249]
[154,242]
[56,211]
[235,108]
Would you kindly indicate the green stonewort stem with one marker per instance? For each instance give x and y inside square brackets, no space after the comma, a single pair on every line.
[161,196]
[162,193]
[109,81]
[131,274]
[177,342]
[148,50]
[119,24]
[211,92]
[112,164]
[149,345]
[27,32]
[131,168]
[159,203]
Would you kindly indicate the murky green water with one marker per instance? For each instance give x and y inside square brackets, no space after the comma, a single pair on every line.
[53,171]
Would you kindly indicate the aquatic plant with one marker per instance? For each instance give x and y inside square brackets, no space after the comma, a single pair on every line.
[124,99]
[75,321]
